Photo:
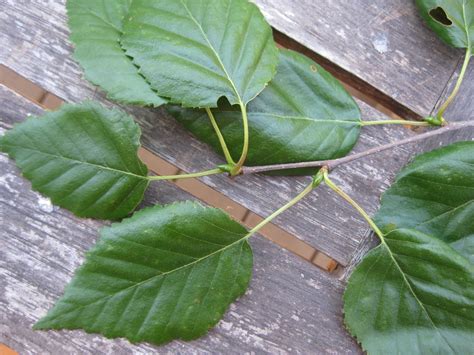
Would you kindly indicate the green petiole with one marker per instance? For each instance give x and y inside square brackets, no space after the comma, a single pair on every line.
[187,176]
[451,97]
[399,122]
[354,204]
[236,167]
[245,148]
[224,147]
[314,184]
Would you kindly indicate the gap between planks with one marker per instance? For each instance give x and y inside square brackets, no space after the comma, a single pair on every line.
[356,86]
[159,166]
[5,350]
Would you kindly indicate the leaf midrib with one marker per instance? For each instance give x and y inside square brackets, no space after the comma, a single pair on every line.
[305,118]
[410,288]
[216,54]
[463,25]
[163,274]
[100,167]
[302,118]
[468,33]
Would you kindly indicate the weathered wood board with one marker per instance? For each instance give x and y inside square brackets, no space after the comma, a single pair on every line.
[291,306]
[462,108]
[383,42]
[40,50]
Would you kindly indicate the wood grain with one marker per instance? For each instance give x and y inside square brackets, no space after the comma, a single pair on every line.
[461,109]
[384,43]
[291,306]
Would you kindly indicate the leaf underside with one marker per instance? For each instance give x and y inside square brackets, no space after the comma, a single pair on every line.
[412,294]
[435,195]
[196,51]
[96,29]
[169,272]
[452,20]
[304,114]
[84,157]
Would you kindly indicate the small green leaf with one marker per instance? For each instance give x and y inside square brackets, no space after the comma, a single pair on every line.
[84,157]
[452,20]
[166,273]
[435,195]
[412,294]
[195,52]
[96,29]
[304,114]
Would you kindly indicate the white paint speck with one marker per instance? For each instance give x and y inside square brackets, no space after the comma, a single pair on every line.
[295,317]
[225,325]
[45,204]
[260,331]
[341,33]
[381,43]
[314,284]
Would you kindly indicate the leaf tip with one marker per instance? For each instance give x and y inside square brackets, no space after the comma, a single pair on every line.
[41,324]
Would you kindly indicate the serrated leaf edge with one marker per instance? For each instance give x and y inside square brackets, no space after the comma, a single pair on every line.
[134,136]
[86,75]
[407,283]
[243,240]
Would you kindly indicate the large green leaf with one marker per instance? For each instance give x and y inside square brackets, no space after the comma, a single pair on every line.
[196,51]
[304,114]
[166,273]
[452,20]
[96,29]
[84,157]
[412,294]
[435,195]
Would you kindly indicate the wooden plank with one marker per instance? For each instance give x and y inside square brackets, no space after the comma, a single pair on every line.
[384,43]
[35,36]
[461,109]
[291,306]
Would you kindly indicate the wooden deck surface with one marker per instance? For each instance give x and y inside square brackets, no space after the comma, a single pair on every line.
[381,48]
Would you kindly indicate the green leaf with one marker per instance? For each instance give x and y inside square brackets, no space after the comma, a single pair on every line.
[412,294]
[84,157]
[96,29]
[304,114]
[452,20]
[195,52]
[435,195]
[166,273]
